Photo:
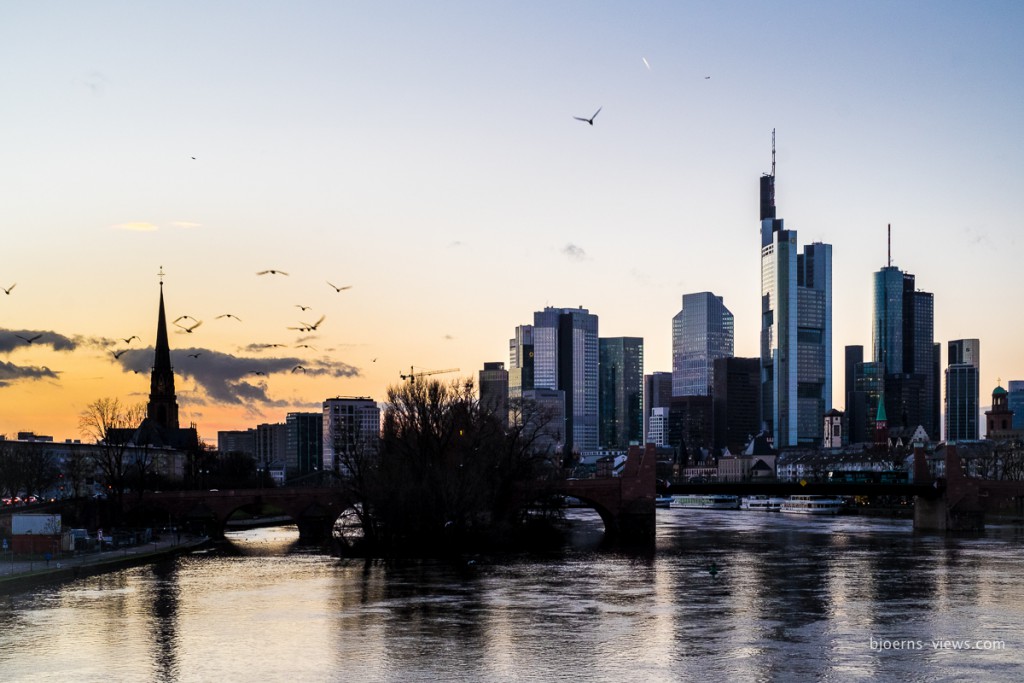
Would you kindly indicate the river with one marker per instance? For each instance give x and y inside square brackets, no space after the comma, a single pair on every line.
[724,596]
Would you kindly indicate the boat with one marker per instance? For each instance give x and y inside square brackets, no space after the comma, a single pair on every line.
[662,501]
[706,501]
[812,505]
[761,503]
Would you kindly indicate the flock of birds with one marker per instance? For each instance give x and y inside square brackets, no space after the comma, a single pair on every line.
[188,324]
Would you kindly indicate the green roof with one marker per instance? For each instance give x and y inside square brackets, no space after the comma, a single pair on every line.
[999,391]
[880,417]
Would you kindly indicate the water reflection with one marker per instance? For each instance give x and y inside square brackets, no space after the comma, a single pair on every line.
[724,596]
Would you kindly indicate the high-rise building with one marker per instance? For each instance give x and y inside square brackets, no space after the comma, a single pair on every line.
[962,390]
[565,358]
[796,328]
[702,331]
[271,444]
[657,394]
[351,429]
[237,441]
[621,390]
[856,407]
[737,391]
[520,362]
[1015,401]
[690,427]
[902,342]
[494,390]
[657,427]
[304,453]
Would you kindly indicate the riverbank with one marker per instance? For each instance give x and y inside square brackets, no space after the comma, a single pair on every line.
[18,574]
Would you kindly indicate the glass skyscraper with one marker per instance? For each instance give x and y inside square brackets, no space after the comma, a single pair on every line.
[621,383]
[1015,401]
[962,390]
[701,333]
[565,357]
[796,329]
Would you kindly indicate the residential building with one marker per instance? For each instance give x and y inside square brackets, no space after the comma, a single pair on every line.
[271,443]
[237,441]
[657,394]
[351,430]
[701,333]
[657,426]
[621,390]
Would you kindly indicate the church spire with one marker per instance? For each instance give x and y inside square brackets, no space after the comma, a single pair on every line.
[163,404]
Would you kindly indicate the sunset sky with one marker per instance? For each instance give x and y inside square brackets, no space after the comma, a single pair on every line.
[426,155]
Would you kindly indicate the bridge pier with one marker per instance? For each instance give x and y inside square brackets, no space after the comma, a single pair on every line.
[934,514]
[315,529]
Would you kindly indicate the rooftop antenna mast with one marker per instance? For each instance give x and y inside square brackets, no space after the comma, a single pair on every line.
[889,230]
[773,152]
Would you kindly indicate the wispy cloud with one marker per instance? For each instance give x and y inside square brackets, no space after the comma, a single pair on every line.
[9,373]
[576,253]
[187,225]
[136,226]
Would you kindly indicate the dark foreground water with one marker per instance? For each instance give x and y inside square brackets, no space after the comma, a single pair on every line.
[726,596]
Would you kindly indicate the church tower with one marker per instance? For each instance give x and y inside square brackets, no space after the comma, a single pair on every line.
[163,404]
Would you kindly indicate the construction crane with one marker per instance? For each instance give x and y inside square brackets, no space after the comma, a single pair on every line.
[413,374]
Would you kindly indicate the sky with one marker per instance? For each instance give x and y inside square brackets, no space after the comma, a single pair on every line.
[426,156]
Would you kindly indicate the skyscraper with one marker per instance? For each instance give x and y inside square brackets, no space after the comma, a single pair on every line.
[962,390]
[621,388]
[305,450]
[351,429]
[657,394]
[902,342]
[1015,401]
[702,332]
[565,357]
[735,415]
[796,328]
[520,362]
[494,390]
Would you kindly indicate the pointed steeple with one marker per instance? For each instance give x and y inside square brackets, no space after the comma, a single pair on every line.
[163,404]
[880,416]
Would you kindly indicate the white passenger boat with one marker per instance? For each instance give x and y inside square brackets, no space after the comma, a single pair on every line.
[812,505]
[761,503]
[706,501]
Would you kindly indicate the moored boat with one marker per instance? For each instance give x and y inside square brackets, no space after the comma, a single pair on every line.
[812,505]
[761,503]
[662,501]
[706,501]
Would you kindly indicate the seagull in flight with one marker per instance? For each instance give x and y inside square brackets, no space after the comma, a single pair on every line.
[258,372]
[118,354]
[195,355]
[129,339]
[228,315]
[28,340]
[309,327]
[271,272]
[304,308]
[7,290]
[297,368]
[305,346]
[190,328]
[340,289]
[591,119]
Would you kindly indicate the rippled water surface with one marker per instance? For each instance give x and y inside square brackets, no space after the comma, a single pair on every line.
[724,596]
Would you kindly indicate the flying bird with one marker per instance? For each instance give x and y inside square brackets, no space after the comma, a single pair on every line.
[181,317]
[7,290]
[258,372]
[28,339]
[339,289]
[195,355]
[304,308]
[309,327]
[591,119]
[297,368]
[271,272]
[118,354]
[271,346]
[707,78]
[189,329]
[228,315]
[305,346]
[374,360]
[129,339]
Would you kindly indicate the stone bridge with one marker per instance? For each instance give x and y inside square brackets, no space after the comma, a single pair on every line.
[626,502]
[314,509]
[963,501]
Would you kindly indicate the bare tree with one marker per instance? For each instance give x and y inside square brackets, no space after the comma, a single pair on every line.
[111,425]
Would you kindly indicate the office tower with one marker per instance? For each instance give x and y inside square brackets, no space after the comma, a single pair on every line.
[544,420]
[902,341]
[657,428]
[520,362]
[271,444]
[701,332]
[621,390]
[796,328]
[690,427]
[305,450]
[735,411]
[856,402]
[237,441]
[351,430]
[565,357]
[962,391]
[1015,401]
[657,394]
[869,390]
[494,390]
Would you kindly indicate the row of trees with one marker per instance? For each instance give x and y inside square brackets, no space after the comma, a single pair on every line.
[449,474]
